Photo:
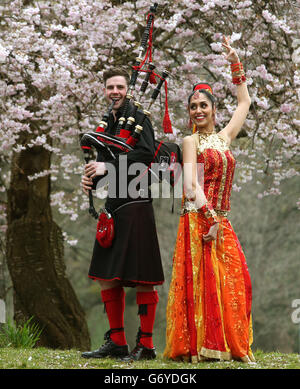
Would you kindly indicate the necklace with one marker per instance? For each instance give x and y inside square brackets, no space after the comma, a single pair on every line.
[206,133]
[207,141]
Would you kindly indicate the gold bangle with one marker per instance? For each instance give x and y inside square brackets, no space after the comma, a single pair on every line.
[209,213]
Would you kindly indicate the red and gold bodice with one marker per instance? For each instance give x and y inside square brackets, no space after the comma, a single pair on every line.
[217,165]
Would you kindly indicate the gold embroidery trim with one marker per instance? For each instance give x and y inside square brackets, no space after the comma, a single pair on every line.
[217,354]
[223,180]
[210,141]
[189,206]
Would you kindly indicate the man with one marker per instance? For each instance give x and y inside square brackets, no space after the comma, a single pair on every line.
[134,258]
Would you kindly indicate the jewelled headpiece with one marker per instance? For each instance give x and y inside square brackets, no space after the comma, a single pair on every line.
[203,86]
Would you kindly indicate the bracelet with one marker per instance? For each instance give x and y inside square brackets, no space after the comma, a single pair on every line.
[190,195]
[209,213]
[238,74]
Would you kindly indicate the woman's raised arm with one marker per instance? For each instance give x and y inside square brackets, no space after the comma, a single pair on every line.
[234,126]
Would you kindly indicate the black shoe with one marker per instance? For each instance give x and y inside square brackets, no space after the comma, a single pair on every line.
[108,349]
[140,352]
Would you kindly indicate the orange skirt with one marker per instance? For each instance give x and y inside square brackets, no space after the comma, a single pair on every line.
[209,302]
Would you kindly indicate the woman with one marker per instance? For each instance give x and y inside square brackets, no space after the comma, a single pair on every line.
[209,303]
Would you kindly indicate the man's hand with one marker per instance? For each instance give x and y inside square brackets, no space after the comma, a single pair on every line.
[91,170]
[94,169]
[86,183]
[212,233]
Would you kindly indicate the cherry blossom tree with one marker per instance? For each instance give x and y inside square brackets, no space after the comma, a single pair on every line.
[52,57]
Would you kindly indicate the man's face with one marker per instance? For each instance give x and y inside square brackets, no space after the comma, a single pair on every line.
[115,89]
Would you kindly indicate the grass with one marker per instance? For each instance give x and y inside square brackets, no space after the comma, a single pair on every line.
[43,358]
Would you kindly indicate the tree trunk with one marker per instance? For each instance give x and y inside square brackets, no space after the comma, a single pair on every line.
[35,257]
[2,289]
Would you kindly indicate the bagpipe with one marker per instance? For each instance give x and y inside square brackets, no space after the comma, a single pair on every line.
[129,129]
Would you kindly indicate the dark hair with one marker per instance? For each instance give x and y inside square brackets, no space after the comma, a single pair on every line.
[115,72]
[206,93]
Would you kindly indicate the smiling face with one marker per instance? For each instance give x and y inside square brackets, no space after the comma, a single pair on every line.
[202,112]
[116,89]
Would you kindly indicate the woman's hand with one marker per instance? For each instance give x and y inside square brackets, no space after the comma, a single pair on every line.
[231,54]
[94,169]
[190,196]
[212,233]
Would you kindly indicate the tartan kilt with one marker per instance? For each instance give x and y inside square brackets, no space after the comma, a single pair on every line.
[134,256]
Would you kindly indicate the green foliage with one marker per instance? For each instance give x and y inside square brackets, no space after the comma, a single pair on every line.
[20,336]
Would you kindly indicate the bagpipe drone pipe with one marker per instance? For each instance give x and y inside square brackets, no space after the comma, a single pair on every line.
[167,155]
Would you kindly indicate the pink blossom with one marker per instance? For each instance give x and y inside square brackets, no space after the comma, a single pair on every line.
[216,47]
[263,103]
[268,16]
[236,188]
[3,54]
[286,108]
[235,36]
[72,242]
[57,68]
[244,4]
